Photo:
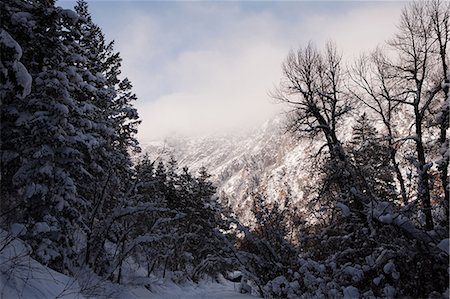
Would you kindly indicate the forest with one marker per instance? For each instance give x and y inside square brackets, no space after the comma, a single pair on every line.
[84,200]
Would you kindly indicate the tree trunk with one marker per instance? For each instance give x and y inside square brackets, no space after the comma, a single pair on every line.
[165,266]
[119,276]
[443,167]
[442,30]
[399,175]
[150,269]
[423,191]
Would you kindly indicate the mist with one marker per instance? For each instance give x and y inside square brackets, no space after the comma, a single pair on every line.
[205,68]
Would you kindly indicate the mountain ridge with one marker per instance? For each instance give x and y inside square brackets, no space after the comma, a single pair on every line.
[264,160]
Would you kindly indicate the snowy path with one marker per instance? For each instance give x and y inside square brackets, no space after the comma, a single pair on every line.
[202,291]
[23,277]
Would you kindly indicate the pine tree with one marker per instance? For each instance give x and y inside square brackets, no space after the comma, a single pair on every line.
[15,85]
[114,98]
[50,136]
[372,158]
[65,151]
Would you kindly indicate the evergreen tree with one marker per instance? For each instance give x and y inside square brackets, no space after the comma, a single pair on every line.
[372,158]
[65,140]
[48,121]
[15,84]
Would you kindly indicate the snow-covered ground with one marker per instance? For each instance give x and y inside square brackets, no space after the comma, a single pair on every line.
[23,277]
[203,290]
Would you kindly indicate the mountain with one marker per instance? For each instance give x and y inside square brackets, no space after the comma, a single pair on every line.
[265,160]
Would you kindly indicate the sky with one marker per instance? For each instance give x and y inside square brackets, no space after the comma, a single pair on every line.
[208,67]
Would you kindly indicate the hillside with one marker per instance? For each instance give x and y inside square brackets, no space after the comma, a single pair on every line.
[264,159]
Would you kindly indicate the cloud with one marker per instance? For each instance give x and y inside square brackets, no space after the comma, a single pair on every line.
[359,29]
[209,67]
[218,90]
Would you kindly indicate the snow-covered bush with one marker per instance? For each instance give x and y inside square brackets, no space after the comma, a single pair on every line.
[346,261]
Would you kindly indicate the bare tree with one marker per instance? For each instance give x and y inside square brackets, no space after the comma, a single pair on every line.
[414,45]
[376,87]
[439,13]
[313,86]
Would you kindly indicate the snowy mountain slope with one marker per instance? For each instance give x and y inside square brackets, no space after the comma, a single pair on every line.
[260,160]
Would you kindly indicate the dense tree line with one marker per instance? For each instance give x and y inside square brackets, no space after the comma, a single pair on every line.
[69,186]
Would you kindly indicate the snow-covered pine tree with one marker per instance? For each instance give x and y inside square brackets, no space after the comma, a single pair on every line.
[160,180]
[15,85]
[372,158]
[114,98]
[195,246]
[109,114]
[68,137]
[264,251]
[272,228]
[212,256]
[47,120]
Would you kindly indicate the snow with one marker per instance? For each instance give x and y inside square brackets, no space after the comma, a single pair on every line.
[235,275]
[46,169]
[23,277]
[279,286]
[23,78]
[389,291]
[351,292]
[8,156]
[77,58]
[205,290]
[33,189]
[73,74]
[73,16]
[377,280]
[17,229]
[23,18]
[344,209]
[41,227]
[356,274]
[21,74]
[8,42]
[389,267]
[444,245]
[61,108]
[387,218]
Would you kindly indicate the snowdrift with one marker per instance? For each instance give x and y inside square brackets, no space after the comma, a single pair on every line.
[23,277]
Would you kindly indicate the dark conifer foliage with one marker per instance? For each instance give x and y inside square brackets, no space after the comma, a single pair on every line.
[68,127]
[371,156]
[67,124]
